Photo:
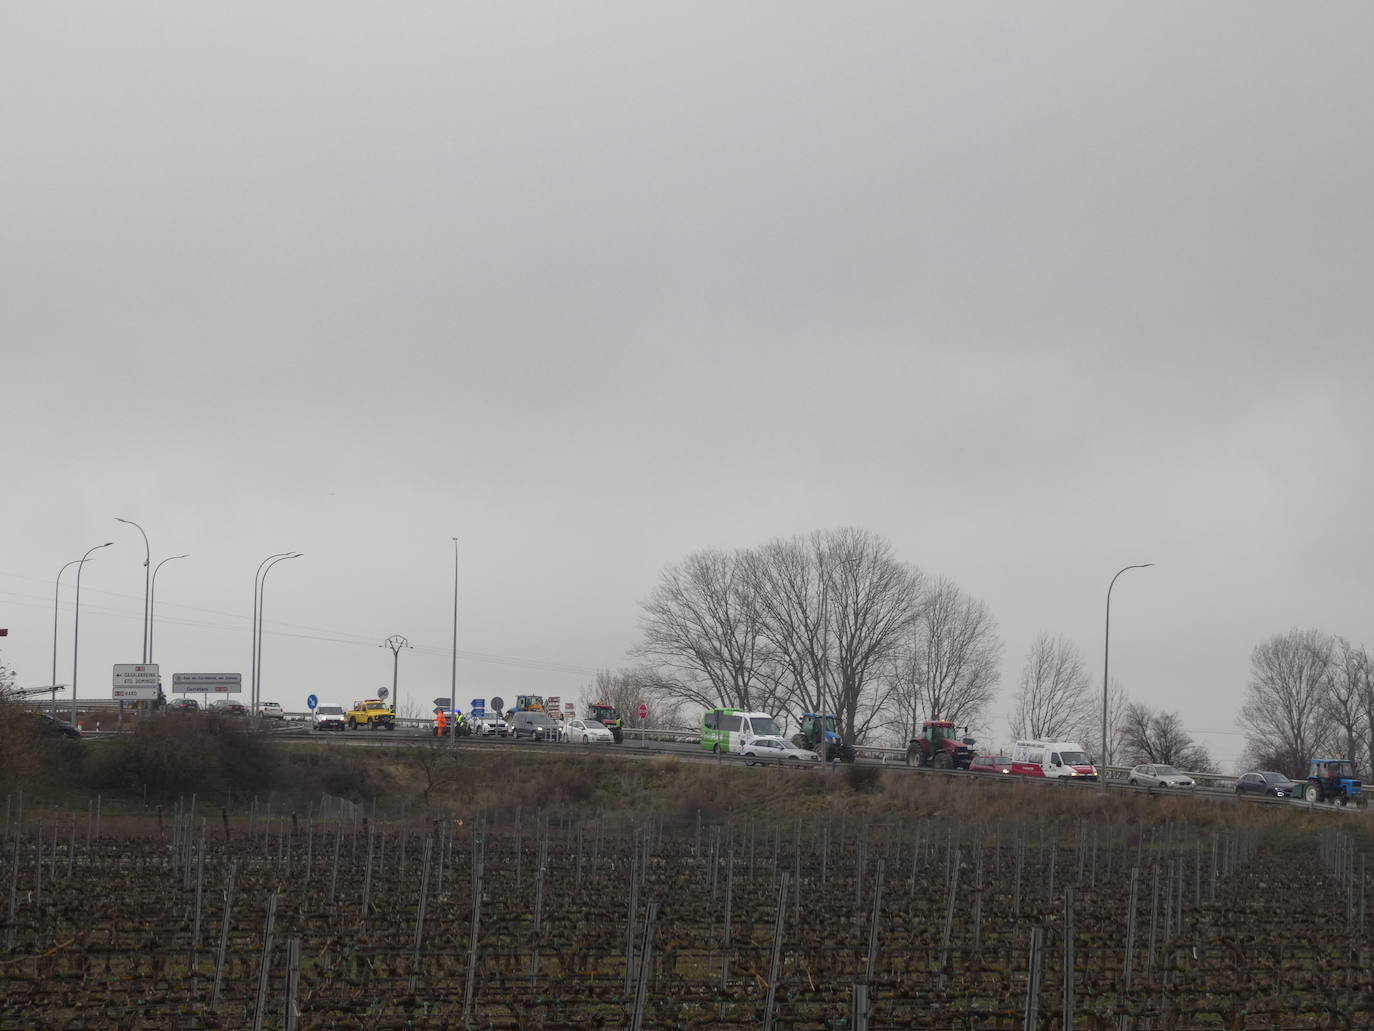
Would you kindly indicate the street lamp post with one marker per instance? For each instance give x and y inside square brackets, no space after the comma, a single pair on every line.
[152,598]
[453,682]
[56,585]
[1106,652]
[76,620]
[147,583]
[395,642]
[253,660]
[261,604]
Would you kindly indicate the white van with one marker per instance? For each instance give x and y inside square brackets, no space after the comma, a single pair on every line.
[1052,759]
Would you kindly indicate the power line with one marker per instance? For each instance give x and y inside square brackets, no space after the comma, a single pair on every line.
[323,634]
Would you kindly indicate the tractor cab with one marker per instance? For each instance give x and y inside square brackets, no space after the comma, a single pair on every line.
[1332,780]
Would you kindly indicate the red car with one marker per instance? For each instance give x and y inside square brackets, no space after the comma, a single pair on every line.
[990,764]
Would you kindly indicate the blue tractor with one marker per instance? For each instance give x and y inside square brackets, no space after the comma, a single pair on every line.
[820,734]
[1332,780]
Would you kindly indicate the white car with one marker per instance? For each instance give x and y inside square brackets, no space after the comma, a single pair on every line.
[271,711]
[330,717]
[768,749]
[586,732]
[488,726]
[1157,776]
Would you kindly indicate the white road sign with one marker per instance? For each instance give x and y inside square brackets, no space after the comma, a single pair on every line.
[207,683]
[135,694]
[136,676]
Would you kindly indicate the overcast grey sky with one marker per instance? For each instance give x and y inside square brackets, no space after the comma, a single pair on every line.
[1033,290]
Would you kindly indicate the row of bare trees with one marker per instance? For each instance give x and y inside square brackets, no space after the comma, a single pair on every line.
[831,622]
[1310,696]
[1055,699]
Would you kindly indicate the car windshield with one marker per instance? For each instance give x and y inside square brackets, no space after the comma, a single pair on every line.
[1000,760]
[1274,778]
[769,742]
[330,710]
[1075,758]
[1166,771]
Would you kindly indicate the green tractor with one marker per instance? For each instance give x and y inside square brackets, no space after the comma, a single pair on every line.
[1332,780]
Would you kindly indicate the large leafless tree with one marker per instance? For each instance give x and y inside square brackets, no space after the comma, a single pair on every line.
[1350,702]
[701,633]
[1286,713]
[1150,736]
[835,608]
[1052,699]
[948,667]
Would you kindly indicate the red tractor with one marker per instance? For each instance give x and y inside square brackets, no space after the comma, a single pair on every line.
[609,717]
[939,746]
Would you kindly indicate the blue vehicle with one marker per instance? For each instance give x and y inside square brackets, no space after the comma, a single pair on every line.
[820,733]
[1332,780]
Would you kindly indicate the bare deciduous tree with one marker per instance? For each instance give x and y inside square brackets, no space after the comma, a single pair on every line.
[1052,700]
[1117,701]
[1348,701]
[1285,714]
[701,632]
[626,688]
[835,609]
[948,667]
[1148,736]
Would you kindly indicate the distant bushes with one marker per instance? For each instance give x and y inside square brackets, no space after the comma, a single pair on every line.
[177,753]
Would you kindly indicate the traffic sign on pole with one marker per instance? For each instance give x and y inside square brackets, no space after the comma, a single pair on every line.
[643,711]
[311,702]
[207,683]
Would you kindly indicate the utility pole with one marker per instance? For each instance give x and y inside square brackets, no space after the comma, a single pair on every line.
[395,642]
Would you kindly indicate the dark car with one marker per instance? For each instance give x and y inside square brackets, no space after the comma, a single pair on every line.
[53,727]
[1266,782]
[537,726]
[183,705]
[990,764]
[229,707]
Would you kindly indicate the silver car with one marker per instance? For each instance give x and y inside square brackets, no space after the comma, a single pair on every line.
[1155,775]
[768,749]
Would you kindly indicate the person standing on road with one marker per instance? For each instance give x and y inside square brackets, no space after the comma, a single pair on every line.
[440,723]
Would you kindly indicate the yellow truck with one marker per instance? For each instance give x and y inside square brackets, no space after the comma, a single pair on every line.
[371,713]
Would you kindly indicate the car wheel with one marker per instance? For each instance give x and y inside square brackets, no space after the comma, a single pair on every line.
[1135,783]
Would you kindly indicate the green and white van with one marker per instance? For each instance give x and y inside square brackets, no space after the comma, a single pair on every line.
[729,730]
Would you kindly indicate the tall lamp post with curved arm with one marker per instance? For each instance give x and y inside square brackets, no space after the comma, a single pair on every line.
[258,609]
[76,620]
[1106,652]
[152,598]
[147,582]
[55,587]
[253,660]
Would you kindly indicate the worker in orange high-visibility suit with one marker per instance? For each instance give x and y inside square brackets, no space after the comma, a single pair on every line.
[440,723]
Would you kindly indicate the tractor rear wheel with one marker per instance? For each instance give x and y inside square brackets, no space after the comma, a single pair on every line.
[943,761]
[913,756]
[1313,794]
